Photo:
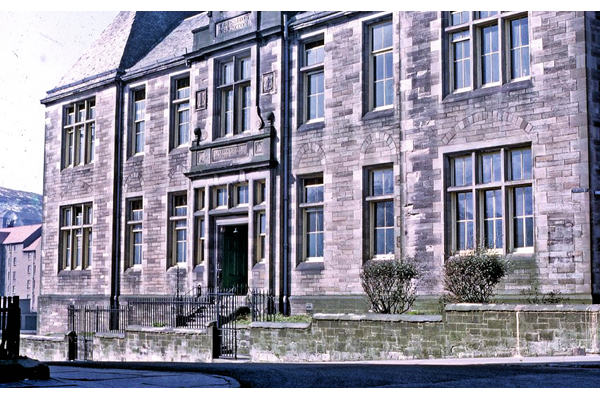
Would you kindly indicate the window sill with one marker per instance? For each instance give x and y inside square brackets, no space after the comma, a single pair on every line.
[311,126]
[378,113]
[522,83]
[180,149]
[74,272]
[136,157]
[136,269]
[314,267]
[259,265]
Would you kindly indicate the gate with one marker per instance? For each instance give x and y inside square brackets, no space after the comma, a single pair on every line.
[228,306]
[10,327]
[86,321]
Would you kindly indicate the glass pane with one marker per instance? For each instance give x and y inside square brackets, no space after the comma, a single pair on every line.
[519,235]
[527,164]
[263,223]
[459,17]
[528,200]
[490,167]
[227,73]
[459,172]
[461,242]
[389,213]
[314,194]
[469,205]
[525,61]
[518,202]
[529,231]
[389,91]
[469,235]
[389,245]
[379,241]
[382,36]
[498,234]
[388,181]
[389,65]
[379,94]
[489,204]
[379,215]
[379,67]
[489,234]
[498,200]
[245,68]
[516,165]
[314,53]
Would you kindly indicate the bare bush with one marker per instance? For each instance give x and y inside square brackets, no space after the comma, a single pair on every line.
[390,285]
[472,277]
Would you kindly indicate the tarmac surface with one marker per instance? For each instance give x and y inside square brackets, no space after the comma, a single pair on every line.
[539,372]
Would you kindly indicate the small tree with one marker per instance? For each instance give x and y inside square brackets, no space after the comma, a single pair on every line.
[471,278]
[390,285]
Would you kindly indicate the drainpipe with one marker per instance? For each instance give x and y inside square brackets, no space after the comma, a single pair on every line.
[116,231]
[286,144]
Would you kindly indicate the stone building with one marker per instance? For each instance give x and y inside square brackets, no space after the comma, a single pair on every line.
[282,150]
[20,263]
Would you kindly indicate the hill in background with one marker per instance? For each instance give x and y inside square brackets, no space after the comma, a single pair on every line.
[18,208]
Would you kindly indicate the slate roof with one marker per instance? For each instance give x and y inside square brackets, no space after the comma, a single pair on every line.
[129,38]
[34,245]
[20,234]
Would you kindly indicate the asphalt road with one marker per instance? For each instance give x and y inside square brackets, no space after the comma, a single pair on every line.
[367,375]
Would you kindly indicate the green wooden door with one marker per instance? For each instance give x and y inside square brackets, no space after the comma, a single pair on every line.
[234,256]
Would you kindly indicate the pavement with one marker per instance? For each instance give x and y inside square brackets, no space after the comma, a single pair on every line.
[178,375]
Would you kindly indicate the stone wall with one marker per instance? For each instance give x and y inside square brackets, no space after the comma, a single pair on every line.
[463,331]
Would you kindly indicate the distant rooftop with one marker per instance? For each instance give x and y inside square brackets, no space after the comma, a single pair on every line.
[20,234]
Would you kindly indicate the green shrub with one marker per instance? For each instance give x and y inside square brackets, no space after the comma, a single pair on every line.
[390,285]
[471,278]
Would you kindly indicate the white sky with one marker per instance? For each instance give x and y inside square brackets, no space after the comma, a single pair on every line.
[36,50]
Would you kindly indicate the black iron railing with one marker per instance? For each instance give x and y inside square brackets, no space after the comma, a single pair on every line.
[10,327]
[222,307]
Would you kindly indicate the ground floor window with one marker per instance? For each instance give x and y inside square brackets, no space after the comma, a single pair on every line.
[490,200]
[178,228]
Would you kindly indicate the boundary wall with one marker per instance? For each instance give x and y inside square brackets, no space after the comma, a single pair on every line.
[463,331]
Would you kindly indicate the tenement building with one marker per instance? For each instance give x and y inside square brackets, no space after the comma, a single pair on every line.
[282,150]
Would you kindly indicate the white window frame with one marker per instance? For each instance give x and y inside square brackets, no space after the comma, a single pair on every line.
[180,105]
[372,55]
[235,110]
[472,24]
[373,199]
[138,127]
[135,224]
[477,189]
[178,223]
[309,206]
[311,69]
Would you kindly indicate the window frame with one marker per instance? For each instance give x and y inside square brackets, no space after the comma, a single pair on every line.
[474,26]
[199,226]
[261,236]
[372,200]
[180,104]
[308,70]
[504,187]
[178,212]
[135,225]
[242,99]
[69,227]
[310,206]
[372,55]
[134,144]
[78,133]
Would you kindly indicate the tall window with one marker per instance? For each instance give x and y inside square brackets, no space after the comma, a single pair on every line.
[178,228]
[486,48]
[312,217]
[381,65]
[261,235]
[139,121]
[135,213]
[76,236]
[79,133]
[491,200]
[181,111]
[235,96]
[199,209]
[314,80]
[260,192]
[380,200]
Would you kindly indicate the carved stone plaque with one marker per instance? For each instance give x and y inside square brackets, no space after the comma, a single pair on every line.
[230,152]
[268,83]
[233,24]
[201,102]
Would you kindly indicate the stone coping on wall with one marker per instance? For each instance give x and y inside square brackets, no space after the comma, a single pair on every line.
[52,338]
[379,317]
[166,329]
[281,325]
[466,307]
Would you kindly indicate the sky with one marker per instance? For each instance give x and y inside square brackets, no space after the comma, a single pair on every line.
[36,50]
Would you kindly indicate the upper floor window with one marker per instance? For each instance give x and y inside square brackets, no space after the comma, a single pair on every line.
[76,236]
[486,48]
[314,80]
[381,65]
[79,133]
[234,95]
[181,111]
[139,121]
